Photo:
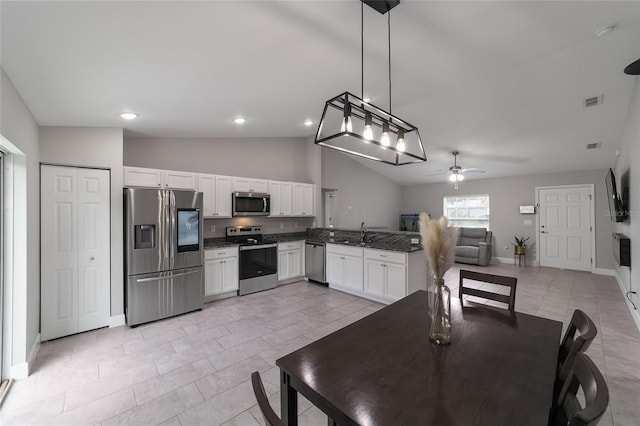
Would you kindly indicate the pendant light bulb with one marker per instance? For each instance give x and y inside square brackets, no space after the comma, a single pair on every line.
[400,146]
[347,124]
[368,128]
[460,177]
[452,178]
[384,139]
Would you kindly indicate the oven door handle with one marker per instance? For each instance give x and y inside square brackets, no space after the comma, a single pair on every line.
[258,247]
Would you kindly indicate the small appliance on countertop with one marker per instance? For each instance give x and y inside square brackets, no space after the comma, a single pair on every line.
[258,268]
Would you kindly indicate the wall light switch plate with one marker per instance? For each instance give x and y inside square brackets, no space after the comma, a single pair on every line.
[281,225]
[332,234]
[213,228]
[528,222]
[415,241]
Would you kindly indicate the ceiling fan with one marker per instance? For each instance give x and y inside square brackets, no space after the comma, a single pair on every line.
[456,172]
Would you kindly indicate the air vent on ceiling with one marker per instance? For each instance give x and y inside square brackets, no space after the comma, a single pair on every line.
[596,100]
[594,145]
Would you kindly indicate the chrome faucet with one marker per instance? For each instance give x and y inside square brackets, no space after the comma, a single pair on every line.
[363,232]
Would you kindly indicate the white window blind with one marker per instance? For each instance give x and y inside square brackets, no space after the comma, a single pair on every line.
[471,211]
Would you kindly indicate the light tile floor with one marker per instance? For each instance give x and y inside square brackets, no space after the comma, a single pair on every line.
[194,369]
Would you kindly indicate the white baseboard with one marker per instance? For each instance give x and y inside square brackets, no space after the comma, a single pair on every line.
[604,271]
[634,313]
[21,371]
[116,321]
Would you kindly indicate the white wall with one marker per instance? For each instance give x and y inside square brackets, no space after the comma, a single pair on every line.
[264,158]
[22,308]
[505,196]
[363,195]
[626,169]
[94,147]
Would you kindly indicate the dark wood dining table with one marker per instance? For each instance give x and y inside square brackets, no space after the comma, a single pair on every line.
[382,370]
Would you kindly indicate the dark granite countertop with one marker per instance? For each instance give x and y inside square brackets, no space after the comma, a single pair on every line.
[214,243]
[377,244]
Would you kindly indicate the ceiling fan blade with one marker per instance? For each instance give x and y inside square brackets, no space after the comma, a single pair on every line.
[473,170]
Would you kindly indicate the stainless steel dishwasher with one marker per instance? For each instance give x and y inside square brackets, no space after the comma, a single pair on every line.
[314,262]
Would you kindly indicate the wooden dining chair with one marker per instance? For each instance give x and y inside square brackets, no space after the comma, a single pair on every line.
[270,416]
[569,409]
[571,344]
[510,282]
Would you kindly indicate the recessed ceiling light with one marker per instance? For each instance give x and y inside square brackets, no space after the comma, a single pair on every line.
[308,123]
[605,30]
[239,120]
[128,115]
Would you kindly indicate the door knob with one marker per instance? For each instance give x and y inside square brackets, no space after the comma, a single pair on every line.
[543,232]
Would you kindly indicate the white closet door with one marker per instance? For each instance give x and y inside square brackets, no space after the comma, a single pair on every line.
[93,249]
[74,234]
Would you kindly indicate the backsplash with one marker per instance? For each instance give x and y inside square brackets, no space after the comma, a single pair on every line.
[269,225]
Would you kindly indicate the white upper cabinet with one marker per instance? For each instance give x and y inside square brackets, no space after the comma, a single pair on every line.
[281,198]
[303,199]
[241,184]
[156,178]
[216,198]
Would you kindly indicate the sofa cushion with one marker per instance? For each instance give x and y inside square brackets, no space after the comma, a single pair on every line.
[473,233]
[467,251]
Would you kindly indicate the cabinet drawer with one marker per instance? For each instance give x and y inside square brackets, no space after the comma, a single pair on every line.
[340,249]
[220,253]
[290,245]
[385,256]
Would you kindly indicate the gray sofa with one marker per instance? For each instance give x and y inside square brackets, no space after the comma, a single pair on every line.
[473,246]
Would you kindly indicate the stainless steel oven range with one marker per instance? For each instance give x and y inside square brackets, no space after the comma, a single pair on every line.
[258,259]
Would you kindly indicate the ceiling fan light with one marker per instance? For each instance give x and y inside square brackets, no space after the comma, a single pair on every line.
[460,177]
[452,178]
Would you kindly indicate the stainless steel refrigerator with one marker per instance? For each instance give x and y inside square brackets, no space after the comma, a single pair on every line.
[164,250]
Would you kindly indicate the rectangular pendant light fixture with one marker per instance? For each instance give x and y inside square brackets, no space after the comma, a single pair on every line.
[351,125]
[345,127]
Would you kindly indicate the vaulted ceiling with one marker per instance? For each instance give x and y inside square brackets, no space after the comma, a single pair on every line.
[504,83]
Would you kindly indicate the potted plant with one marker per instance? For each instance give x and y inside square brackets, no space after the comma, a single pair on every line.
[520,244]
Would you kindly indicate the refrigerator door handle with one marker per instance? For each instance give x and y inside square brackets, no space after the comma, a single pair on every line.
[165,277]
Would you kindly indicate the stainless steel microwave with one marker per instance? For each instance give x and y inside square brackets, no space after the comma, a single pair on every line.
[251,204]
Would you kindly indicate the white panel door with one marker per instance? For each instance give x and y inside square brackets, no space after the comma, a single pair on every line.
[295,263]
[206,185]
[396,281]
[93,249]
[230,274]
[275,189]
[335,269]
[75,250]
[223,196]
[374,277]
[565,227]
[283,265]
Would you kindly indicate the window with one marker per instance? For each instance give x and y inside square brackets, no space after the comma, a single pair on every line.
[471,211]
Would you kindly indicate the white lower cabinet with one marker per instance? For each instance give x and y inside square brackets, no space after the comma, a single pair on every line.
[381,275]
[220,271]
[344,268]
[290,260]
[385,275]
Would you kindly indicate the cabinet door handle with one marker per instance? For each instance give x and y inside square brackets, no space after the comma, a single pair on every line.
[383,255]
[341,257]
[221,253]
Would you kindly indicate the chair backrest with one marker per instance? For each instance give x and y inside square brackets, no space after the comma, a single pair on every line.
[270,416]
[473,236]
[568,409]
[571,345]
[509,282]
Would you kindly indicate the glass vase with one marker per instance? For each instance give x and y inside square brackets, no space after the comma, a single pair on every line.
[440,313]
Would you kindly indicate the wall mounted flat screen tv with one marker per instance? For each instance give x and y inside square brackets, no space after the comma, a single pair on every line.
[616,206]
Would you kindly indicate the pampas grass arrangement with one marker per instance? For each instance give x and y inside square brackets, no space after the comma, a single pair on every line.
[439,241]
